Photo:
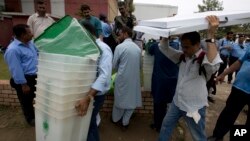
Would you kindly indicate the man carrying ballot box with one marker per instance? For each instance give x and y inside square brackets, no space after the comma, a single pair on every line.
[195,69]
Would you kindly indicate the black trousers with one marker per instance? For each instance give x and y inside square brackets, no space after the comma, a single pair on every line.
[26,100]
[223,66]
[160,110]
[110,41]
[212,84]
[231,61]
[234,105]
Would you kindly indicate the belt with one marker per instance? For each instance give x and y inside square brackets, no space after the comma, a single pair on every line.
[30,75]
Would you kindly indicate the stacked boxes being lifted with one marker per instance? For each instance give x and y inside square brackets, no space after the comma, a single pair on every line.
[66,71]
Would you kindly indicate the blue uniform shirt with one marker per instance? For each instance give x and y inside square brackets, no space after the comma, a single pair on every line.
[242,80]
[223,50]
[106,29]
[247,44]
[238,50]
[22,60]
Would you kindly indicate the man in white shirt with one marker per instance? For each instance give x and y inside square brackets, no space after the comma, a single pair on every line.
[195,69]
[127,93]
[99,87]
[39,21]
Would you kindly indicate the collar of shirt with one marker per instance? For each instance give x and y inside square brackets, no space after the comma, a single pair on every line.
[195,55]
[88,19]
[98,40]
[242,46]
[19,43]
[128,39]
[46,15]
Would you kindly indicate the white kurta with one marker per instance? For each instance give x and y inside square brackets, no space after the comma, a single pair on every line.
[39,24]
[126,62]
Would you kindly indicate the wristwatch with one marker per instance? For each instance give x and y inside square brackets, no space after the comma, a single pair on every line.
[210,40]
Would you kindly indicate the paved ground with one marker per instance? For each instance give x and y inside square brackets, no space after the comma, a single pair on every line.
[14,128]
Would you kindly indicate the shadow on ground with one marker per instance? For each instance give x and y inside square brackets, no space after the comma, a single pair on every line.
[14,128]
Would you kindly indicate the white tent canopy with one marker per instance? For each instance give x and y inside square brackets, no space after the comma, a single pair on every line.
[187,23]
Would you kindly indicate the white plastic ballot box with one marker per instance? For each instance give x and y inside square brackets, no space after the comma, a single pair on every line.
[193,22]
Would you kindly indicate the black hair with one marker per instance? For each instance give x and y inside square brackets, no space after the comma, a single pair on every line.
[121,3]
[40,2]
[127,30]
[103,17]
[194,37]
[230,32]
[247,40]
[85,7]
[241,35]
[20,29]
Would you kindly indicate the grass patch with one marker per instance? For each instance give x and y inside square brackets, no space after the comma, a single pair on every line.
[4,72]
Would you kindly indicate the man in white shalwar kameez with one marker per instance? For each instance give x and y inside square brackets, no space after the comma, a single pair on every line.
[127,93]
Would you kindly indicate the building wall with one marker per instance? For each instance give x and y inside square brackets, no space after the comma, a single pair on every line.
[13,5]
[19,19]
[6,31]
[153,11]
[112,10]
[8,97]
[2,5]
[97,7]
[6,24]
[28,6]
[57,8]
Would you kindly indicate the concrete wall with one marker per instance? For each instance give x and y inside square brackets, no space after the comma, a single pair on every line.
[8,97]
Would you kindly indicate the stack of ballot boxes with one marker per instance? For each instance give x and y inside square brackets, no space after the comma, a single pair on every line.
[62,80]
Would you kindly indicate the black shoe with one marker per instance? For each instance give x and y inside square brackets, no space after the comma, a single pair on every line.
[157,130]
[152,126]
[133,116]
[115,123]
[111,120]
[124,127]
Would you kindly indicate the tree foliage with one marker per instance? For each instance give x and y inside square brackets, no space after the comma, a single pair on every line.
[210,5]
